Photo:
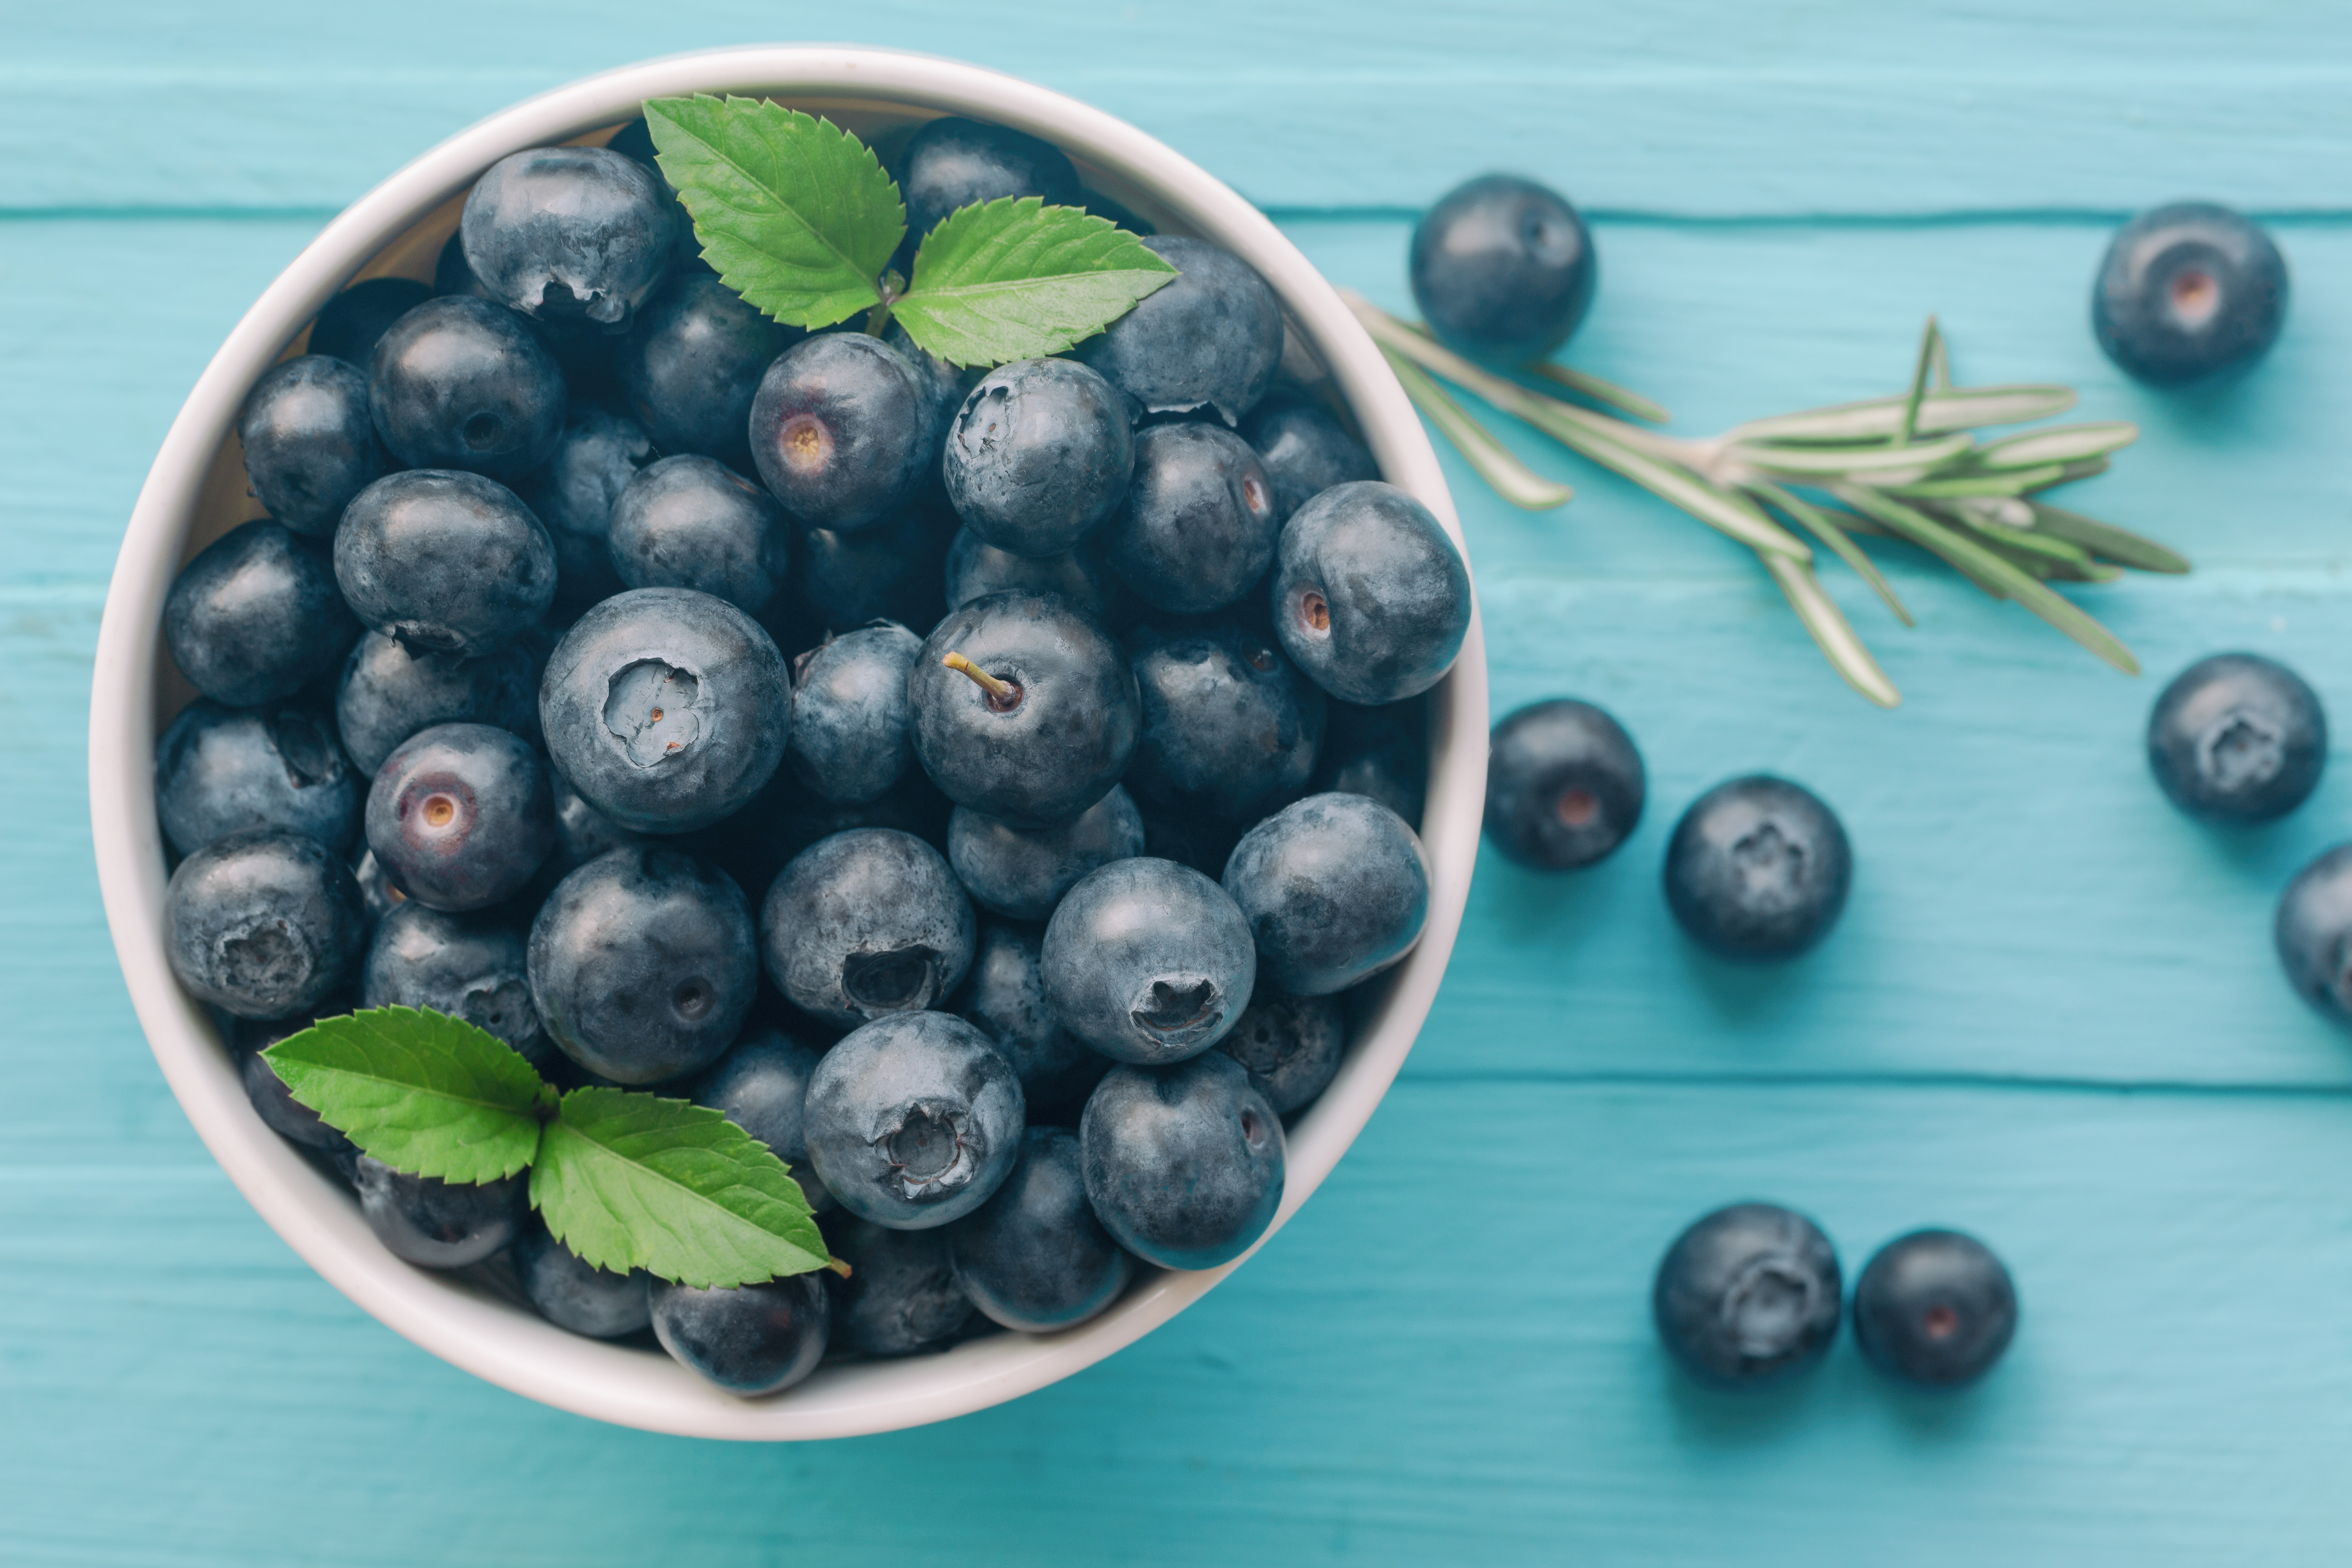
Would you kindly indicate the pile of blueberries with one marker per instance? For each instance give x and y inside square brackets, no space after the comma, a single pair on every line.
[986,790]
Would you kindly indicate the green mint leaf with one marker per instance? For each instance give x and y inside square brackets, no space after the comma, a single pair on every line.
[420,1090]
[1014,279]
[632,1181]
[796,214]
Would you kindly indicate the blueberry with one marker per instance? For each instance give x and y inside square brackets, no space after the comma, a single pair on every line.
[2236,738]
[461,814]
[635,141]
[889,573]
[1335,887]
[751,1340]
[1935,1309]
[1053,727]
[841,430]
[665,709]
[263,924]
[1230,726]
[1199,526]
[758,841]
[582,832]
[389,691]
[1381,751]
[271,1099]
[569,232]
[853,737]
[469,966]
[1004,997]
[256,617]
[378,895]
[867,923]
[1209,337]
[1503,270]
[1039,456]
[901,1296]
[595,459]
[1148,962]
[954,162]
[1304,450]
[2314,932]
[1757,868]
[445,561]
[1290,1045]
[573,1293]
[693,363]
[222,770]
[2186,290]
[460,383]
[762,1086]
[694,523]
[1023,872]
[349,325]
[1369,594]
[977,569]
[914,1120]
[1033,1258]
[436,1224]
[1749,1296]
[947,385]
[1564,784]
[309,442]
[1183,1164]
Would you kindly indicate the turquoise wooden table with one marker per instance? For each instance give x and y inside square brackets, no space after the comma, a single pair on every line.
[2051,1015]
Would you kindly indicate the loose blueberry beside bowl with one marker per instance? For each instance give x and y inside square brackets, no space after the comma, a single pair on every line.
[1564,785]
[309,441]
[1199,524]
[867,923]
[1182,1164]
[460,816]
[2314,932]
[1503,269]
[1369,596]
[256,617]
[1747,1297]
[264,923]
[445,561]
[1209,340]
[2236,738]
[1935,1309]
[1757,868]
[460,383]
[749,1340]
[1033,1258]
[1148,961]
[914,1120]
[220,770]
[1335,888]
[1038,456]
[2186,290]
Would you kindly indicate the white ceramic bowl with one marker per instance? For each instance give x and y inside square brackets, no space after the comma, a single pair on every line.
[196,491]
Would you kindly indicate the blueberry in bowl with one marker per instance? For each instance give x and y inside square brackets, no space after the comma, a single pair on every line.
[460,383]
[1369,594]
[461,816]
[1183,1163]
[1038,456]
[2236,738]
[1335,888]
[914,1120]
[1148,961]
[866,923]
[445,561]
[255,615]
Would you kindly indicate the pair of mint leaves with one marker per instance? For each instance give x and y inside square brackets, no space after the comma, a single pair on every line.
[626,1179]
[801,219]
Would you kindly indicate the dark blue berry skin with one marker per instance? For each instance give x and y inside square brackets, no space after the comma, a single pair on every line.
[378,896]
[1148,961]
[914,1120]
[460,383]
[1211,338]
[1231,728]
[977,569]
[349,325]
[694,523]
[691,367]
[762,1086]
[867,923]
[949,384]
[1189,838]
[471,966]
[1062,739]
[1182,1164]
[2187,290]
[220,770]
[1199,526]
[597,456]
[2236,738]
[1934,1308]
[749,1340]
[1757,869]
[461,814]
[271,1099]
[1564,785]
[892,572]
[582,832]
[1747,1297]
[635,141]
[445,561]
[901,1296]
[1004,997]
[567,233]
[1290,1045]
[450,273]
[1381,751]
[1304,450]
[436,1224]
[1336,889]
[758,842]
[1369,594]
[2314,932]
[643,965]
[573,1293]
[256,617]
[389,691]
[1033,1258]
[264,923]
[1023,872]
[841,431]
[665,709]
[954,162]
[1038,457]
[309,442]
[1503,270]
[853,734]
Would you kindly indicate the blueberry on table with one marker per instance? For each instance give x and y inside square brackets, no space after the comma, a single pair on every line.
[573,1293]
[469,966]
[1564,784]
[977,569]
[762,1086]
[1199,526]
[1935,1309]
[1183,1164]
[1038,456]
[1004,997]
[1369,594]
[460,383]
[1503,270]
[1034,1259]
[901,1296]
[436,1224]
[445,561]
[1209,338]
[1304,450]
[853,733]
[1230,726]
[595,459]
[914,1120]
[892,572]
[867,923]
[691,367]
[1757,868]
[1024,709]
[953,162]
[1022,872]
[643,965]
[256,617]
[665,709]
[220,770]
[1148,962]
[461,814]
[2314,932]
[1747,1297]
[264,923]
[2236,738]
[748,1340]
[1381,751]
[391,690]
[349,325]
[1290,1045]
[309,441]
[2186,290]
[566,233]
[841,430]
[693,522]
[1335,888]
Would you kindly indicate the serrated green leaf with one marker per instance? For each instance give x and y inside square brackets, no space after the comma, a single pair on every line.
[795,212]
[421,1092]
[1014,279]
[1495,463]
[633,1180]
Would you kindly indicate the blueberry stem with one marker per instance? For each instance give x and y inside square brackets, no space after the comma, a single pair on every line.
[1000,693]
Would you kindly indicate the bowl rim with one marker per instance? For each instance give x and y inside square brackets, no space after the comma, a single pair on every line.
[471,1328]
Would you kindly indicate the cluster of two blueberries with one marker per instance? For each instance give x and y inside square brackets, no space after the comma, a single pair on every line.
[564,741]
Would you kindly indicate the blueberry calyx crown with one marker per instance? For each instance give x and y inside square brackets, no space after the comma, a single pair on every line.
[650,707]
[933,1149]
[1178,1009]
